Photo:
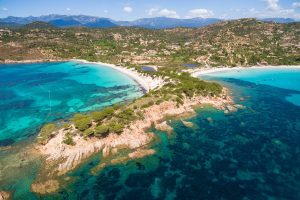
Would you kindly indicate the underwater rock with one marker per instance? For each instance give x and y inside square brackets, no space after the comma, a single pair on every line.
[46,187]
[164,127]
[119,160]
[231,108]
[210,120]
[4,195]
[187,124]
[239,106]
[141,153]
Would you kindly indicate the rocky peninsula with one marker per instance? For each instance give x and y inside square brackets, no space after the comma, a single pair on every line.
[122,128]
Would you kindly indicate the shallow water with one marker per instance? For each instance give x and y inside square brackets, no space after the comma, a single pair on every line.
[250,154]
[34,94]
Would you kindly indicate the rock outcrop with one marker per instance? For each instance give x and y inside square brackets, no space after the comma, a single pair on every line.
[63,158]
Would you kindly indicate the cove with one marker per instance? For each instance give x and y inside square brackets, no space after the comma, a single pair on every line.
[34,94]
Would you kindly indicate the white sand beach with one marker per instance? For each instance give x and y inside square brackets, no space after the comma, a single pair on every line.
[203,71]
[146,82]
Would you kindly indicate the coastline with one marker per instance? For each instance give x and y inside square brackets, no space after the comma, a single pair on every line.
[62,158]
[32,61]
[146,82]
[197,72]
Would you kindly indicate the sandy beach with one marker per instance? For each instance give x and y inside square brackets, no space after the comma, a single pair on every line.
[146,82]
[203,71]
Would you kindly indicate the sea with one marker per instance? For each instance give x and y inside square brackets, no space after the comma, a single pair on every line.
[252,153]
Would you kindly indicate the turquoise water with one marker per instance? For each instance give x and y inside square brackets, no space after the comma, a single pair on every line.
[249,154]
[285,78]
[34,94]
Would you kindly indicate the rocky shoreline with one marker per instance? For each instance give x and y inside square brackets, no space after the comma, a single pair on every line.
[62,158]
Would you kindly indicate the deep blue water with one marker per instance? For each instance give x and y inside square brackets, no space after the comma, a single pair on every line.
[34,94]
[253,153]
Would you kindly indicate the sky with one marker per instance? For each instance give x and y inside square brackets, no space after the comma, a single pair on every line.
[135,9]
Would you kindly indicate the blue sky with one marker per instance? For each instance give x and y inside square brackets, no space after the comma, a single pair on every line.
[134,9]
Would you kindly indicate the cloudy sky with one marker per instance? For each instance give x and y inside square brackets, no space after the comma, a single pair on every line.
[130,10]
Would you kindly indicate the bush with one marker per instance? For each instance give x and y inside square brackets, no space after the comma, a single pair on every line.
[81,122]
[101,131]
[98,116]
[46,133]
[88,132]
[116,127]
[68,139]
[127,115]
[179,101]
[66,126]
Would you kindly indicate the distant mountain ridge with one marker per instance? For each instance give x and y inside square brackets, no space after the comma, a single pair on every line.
[98,22]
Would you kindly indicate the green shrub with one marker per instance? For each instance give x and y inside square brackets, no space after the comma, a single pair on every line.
[179,101]
[101,131]
[116,127]
[81,122]
[66,126]
[126,115]
[88,132]
[68,139]
[98,116]
[46,133]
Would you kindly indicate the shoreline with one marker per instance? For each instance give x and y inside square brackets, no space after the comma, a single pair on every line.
[62,158]
[32,61]
[198,72]
[146,82]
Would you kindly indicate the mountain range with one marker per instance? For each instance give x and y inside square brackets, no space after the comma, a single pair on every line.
[98,22]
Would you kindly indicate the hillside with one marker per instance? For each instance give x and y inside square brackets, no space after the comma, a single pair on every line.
[240,42]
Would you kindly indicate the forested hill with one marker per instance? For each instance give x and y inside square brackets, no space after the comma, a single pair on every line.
[239,42]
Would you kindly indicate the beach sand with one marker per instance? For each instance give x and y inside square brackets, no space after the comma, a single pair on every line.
[203,71]
[146,82]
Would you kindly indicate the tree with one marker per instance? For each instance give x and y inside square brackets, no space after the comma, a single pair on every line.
[116,127]
[46,133]
[101,131]
[81,122]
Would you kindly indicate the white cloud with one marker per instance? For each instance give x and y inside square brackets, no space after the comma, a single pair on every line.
[127,9]
[296,4]
[162,13]
[4,9]
[152,11]
[68,9]
[274,10]
[168,13]
[202,13]
[105,11]
[273,5]
[286,12]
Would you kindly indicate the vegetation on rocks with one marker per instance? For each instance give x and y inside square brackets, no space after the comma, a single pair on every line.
[239,42]
[46,133]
